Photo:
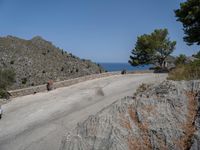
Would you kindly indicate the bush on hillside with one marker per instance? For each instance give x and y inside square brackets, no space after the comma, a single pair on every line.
[189,71]
[197,55]
[7,78]
[180,60]
[4,94]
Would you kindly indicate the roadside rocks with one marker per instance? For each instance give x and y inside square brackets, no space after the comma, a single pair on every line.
[49,85]
[168,118]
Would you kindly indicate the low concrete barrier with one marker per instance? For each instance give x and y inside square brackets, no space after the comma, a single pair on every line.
[42,88]
[65,83]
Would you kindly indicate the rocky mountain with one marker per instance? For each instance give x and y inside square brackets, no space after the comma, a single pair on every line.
[160,116]
[36,61]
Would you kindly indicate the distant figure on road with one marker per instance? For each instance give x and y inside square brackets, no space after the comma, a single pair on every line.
[123,71]
[1,112]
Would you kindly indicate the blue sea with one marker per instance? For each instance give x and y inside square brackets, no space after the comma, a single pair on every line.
[120,66]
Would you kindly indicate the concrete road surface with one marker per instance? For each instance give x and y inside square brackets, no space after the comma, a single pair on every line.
[38,122]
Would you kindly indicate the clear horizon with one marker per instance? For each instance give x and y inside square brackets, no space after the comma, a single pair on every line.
[102,31]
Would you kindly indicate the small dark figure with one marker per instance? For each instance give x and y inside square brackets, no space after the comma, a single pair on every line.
[123,71]
[50,85]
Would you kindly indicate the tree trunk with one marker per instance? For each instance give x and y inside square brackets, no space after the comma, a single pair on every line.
[161,63]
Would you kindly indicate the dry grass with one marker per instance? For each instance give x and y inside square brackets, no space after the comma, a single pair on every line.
[142,141]
[136,143]
[189,71]
[148,108]
[124,122]
[188,127]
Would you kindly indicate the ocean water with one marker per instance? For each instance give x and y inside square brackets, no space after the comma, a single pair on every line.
[120,66]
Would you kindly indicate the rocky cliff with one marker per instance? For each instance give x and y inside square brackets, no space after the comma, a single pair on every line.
[36,61]
[160,116]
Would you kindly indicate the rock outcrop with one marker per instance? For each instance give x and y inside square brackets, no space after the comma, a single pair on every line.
[160,116]
[37,61]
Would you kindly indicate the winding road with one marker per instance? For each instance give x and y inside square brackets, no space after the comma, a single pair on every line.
[38,122]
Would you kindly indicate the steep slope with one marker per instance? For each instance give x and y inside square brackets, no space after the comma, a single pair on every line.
[36,61]
[162,116]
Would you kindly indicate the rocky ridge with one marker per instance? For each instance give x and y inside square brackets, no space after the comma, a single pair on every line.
[36,61]
[161,116]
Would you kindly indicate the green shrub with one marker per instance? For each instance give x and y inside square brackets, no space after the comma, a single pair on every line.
[12,62]
[4,94]
[181,59]
[24,80]
[197,55]
[7,78]
[189,71]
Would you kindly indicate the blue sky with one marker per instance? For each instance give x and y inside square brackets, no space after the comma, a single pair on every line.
[100,30]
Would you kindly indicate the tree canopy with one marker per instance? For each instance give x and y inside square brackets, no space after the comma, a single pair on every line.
[189,15]
[152,48]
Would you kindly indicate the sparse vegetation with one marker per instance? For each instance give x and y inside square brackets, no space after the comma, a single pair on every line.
[12,62]
[39,60]
[181,59]
[88,66]
[7,78]
[24,80]
[71,55]
[188,15]
[143,87]
[190,71]
[197,55]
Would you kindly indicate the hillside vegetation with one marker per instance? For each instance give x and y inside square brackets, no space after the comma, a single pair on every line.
[7,77]
[190,71]
[36,61]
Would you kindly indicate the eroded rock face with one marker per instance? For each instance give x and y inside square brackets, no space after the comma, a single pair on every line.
[162,116]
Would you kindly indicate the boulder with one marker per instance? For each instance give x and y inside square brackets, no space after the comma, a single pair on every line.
[168,118]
